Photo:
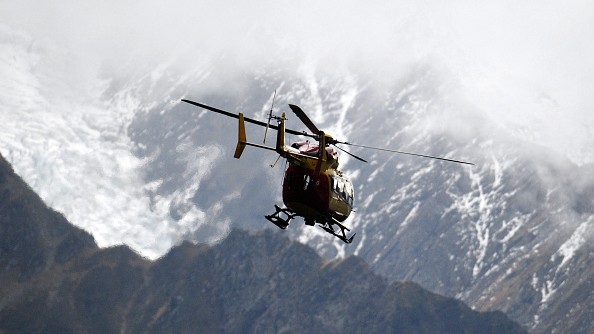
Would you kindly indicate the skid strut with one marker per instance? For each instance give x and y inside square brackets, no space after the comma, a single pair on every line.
[279,221]
[327,226]
[283,216]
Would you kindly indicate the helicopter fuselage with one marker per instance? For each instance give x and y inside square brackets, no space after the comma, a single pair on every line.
[313,187]
[316,196]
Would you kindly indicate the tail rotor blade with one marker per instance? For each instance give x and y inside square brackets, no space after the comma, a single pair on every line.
[269,116]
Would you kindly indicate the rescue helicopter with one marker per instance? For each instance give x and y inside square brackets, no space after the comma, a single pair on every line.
[313,187]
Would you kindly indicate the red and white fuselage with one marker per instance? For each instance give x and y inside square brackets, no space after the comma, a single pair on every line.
[315,195]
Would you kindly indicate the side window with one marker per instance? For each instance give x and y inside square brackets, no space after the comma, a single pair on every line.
[306,182]
[342,188]
[351,195]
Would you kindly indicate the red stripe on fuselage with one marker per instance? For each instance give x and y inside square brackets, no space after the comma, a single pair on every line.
[306,193]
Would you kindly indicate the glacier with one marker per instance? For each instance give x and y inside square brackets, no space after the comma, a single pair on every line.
[72,147]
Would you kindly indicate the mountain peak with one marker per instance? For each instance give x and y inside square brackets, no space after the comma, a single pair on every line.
[34,237]
[249,282]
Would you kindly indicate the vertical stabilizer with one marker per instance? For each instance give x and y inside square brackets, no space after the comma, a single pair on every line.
[322,156]
[280,136]
[241,140]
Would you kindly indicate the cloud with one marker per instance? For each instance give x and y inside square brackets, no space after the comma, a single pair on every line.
[533,39]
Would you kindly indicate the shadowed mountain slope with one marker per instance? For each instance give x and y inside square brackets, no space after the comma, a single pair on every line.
[56,280]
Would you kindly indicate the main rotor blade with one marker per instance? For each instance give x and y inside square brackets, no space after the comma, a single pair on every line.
[303,117]
[349,153]
[249,120]
[311,126]
[409,153]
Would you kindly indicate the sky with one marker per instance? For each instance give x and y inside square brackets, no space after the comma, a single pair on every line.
[529,66]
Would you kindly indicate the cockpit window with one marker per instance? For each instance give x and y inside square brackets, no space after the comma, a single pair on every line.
[342,188]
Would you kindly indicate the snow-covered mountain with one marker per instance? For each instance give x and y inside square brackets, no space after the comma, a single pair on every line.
[121,157]
[513,232]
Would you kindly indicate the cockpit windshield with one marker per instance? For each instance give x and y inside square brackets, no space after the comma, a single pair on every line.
[343,188]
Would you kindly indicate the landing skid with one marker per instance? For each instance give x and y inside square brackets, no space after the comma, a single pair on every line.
[325,223]
[327,226]
[279,221]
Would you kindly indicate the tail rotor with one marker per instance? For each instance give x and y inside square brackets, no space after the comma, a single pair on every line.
[270,117]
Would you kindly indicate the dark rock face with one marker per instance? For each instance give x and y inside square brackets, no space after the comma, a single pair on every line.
[56,280]
[33,237]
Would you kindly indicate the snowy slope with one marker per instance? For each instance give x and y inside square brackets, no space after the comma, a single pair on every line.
[511,233]
[71,145]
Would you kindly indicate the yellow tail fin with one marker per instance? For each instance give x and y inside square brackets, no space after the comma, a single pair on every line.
[280,136]
[241,140]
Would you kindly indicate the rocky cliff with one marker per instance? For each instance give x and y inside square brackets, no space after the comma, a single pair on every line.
[56,280]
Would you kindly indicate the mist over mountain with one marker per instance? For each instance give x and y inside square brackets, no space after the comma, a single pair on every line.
[56,280]
[90,117]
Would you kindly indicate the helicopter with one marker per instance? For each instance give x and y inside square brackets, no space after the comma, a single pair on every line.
[313,187]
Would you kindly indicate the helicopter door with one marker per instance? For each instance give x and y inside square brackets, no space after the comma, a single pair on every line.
[305,192]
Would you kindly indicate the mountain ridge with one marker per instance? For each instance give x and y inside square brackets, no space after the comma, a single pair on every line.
[503,234]
[250,282]
[513,233]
